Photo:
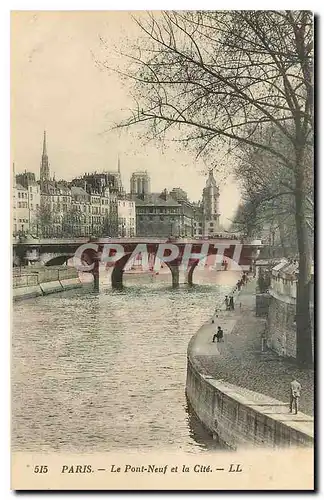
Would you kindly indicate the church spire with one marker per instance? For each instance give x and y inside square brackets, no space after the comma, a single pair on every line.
[44,144]
[44,169]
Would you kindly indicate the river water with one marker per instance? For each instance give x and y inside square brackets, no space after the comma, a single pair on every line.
[100,372]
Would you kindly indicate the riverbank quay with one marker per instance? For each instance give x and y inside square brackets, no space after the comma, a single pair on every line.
[239,392]
[29,282]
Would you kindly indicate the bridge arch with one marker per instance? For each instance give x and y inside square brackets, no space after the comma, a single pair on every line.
[56,260]
[118,272]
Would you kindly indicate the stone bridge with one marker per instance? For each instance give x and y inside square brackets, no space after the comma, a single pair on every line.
[174,252]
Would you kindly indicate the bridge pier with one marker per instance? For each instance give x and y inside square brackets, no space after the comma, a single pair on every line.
[117,278]
[96,275]
[175,274]
[189,279]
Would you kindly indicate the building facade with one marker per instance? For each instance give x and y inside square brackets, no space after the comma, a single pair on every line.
[126,218]
[160,215]
[27,180]
[80,215]
[21,211]
[96,204]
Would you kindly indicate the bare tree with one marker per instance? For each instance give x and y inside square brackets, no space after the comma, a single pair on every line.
[222,77]
[269,188]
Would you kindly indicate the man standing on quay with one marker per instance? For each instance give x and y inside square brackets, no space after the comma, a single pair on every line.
[295,389]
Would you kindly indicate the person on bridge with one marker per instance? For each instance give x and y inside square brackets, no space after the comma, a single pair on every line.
[226,302]
[231,303]
[295,389]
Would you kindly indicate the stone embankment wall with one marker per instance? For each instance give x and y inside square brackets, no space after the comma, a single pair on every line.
[281,326]
[234,418]
[281,323]
[29,283]
[262,302]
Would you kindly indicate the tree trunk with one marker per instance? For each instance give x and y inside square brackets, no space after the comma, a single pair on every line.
[282,237]
[303,322]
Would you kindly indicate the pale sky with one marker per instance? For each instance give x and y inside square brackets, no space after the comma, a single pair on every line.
[56,85]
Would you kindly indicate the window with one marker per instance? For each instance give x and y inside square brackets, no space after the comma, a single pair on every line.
[18,194]
[31,196]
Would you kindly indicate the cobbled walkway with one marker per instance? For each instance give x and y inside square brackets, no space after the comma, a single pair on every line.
[239,360]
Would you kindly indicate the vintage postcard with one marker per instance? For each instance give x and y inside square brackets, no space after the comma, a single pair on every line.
[162,219]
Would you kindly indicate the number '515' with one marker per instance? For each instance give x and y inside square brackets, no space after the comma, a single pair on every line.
[41,469]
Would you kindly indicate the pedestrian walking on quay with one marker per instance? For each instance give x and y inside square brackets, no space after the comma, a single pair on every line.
[215,334]
[295,389]
[231,302]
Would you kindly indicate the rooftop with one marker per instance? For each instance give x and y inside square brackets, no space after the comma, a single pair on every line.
[157,199]
[21,188]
